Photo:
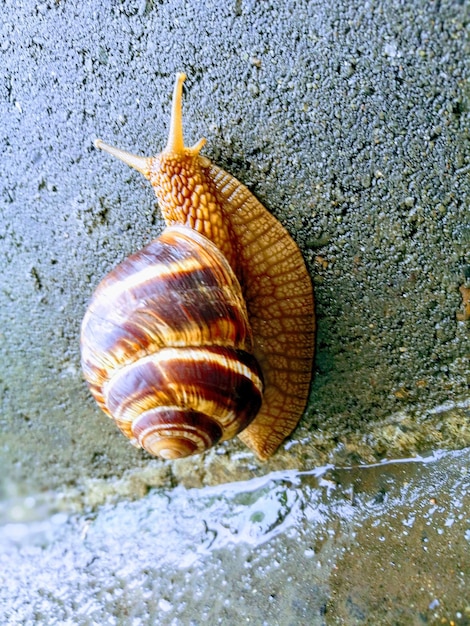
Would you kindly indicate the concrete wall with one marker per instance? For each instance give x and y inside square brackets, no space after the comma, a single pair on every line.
[349,121]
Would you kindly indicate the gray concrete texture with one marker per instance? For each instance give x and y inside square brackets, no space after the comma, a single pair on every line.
[348,120]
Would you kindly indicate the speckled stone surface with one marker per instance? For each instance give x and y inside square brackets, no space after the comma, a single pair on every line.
[350,122]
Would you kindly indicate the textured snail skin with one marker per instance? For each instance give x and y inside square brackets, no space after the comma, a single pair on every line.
[208,332]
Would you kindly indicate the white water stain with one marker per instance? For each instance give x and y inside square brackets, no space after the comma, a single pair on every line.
[265,551]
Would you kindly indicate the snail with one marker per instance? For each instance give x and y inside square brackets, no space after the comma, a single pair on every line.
[208,331]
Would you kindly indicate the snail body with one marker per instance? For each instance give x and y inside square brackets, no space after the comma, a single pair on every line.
[207,332]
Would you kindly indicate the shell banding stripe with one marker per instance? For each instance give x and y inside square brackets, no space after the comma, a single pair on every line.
[219,382]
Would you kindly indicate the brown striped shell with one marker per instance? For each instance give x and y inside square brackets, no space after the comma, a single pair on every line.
[180,337]
[167,347]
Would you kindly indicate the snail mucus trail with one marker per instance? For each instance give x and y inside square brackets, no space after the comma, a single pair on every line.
[208,331]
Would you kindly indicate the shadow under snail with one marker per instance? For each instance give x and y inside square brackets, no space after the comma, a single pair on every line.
[208,331]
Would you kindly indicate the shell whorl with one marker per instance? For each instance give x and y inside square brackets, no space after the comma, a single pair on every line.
[166,347]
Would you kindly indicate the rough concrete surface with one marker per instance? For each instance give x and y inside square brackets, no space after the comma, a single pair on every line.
[348,120]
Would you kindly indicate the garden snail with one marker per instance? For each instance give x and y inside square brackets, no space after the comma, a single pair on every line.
[208,331]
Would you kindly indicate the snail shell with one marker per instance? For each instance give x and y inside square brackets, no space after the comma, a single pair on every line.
[172,325]
[208,331]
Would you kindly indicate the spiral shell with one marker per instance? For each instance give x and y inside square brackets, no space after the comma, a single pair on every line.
[208,331]
[167,347]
